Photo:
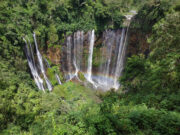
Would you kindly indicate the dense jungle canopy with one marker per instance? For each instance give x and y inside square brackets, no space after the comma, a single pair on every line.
[148,101]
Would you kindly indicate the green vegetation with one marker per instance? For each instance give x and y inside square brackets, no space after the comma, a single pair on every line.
[81,76]
[52,19]
[157,77]
[148,102]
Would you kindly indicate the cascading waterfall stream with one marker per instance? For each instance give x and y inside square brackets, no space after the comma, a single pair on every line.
[109,58]
[31,50]
[74,54]
[69,57]
[107,52]
[56,75]
[58,79]
[121,55]
[89,69]
[31,63]
[112,58]
[47,63]
[120,59]
[78,48]
[49,86]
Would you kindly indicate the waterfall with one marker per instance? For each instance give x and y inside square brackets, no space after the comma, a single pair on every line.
[78,49]
[74,54]
[112,60]
[47,63]
[58,79]
[106,74]
[89,69]
[107,52]
[122,51]
[103,73]
[81,43]
[120,58]
[31,63]
[112,54]
[56,75]
[49,86]
[31,51]
[69,57]
[75,58]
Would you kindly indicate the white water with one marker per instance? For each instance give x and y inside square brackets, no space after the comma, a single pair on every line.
[114,55]
[89,69]
[132,13]
[112,58]
[78,49]
[121,54]
[109,36]
[31,51]
[31,63]
[74,54]
[69,57]
[48,83]
[120,59]
[56,75]
[47,63]
[58,79]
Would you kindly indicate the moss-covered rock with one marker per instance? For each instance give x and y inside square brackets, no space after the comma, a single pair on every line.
[51,76]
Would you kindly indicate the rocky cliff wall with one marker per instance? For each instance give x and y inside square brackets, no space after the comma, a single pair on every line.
[136,44]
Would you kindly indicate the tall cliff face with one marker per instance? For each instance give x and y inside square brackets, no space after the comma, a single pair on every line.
[54,55]
[137,43]
[100,58]
[107,59]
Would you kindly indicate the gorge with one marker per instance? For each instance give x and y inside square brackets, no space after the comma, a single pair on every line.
[89,67]
[78,57]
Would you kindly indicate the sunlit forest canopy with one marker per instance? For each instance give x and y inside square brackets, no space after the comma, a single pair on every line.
[43,42]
